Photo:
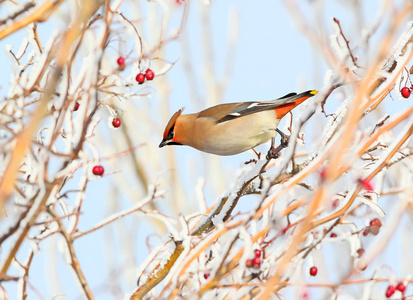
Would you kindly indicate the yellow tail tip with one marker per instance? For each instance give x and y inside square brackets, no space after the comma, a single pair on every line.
[314,92]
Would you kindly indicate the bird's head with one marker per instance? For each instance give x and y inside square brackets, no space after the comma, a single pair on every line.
[169,135]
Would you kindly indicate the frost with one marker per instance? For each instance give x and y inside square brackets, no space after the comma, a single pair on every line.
[336,41]
[41,61]
[328,78]
[165,69]
[332,126]
[64,250]
[22,48]
[218,219]
[171,277]
[402,41]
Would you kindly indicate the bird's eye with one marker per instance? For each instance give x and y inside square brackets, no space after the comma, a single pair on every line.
[170,134]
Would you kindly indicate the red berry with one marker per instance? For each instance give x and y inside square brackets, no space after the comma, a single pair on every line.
[256,262]
[116,122]
[98,170]
[149,74]
[140,78]
[76,106]
[206,275]
[375,222]
[405,92]
[360,252]
[375,225]
[400,287]
[390,291]
[257,253]
[333,235]
[374,230]
[366,232]
[313,271]
[121,61]
[249,263]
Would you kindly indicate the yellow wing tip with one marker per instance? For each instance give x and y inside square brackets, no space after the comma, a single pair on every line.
[313,92]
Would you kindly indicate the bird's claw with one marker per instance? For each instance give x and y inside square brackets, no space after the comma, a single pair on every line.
[274,152]
[284,138]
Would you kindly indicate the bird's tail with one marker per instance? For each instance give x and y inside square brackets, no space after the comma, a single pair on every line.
[292,100]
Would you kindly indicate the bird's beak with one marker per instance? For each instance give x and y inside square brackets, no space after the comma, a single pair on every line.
[163,143]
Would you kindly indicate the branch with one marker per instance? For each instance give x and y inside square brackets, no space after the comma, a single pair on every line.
[74,262]
[41,14]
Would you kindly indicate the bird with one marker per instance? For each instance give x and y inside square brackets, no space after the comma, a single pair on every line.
[231,128]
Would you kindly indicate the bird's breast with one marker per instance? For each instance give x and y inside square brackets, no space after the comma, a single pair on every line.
[234,136]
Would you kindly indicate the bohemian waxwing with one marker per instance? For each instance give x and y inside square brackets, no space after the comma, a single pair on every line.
[228,129]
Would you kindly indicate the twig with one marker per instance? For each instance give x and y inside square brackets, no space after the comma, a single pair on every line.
[24,9]
[347,43]
[39,15]
[74,262]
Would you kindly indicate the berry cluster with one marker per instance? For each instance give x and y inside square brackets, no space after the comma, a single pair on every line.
[391,289]
[256,261]
[149,75]
[374,227]
[406,92]
[141,77]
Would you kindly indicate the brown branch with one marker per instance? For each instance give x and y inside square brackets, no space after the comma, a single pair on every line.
[38,206]
[26,274]
[41,14]
[347,43]
[24,138]
[74,262]
[24,9]
[12,229]
[9,278]
[160,275]
[206,227]
[391,64]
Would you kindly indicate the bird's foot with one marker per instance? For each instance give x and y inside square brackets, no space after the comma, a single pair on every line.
[274,152]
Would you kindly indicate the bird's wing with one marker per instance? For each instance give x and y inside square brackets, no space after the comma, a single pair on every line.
[237,110]
[234,110]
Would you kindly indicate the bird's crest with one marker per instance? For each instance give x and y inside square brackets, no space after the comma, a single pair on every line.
[172,122]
